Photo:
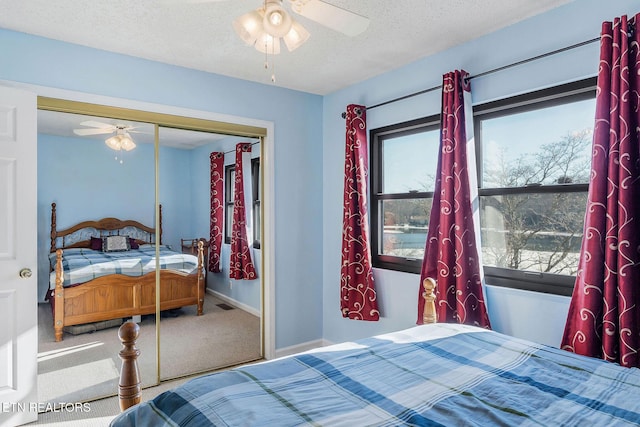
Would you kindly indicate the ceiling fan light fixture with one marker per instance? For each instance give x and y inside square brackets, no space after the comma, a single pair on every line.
[113,142]
[277,22]
[276,18]
[121,141]
[126,142]
[268,44]
[249,26]
[296,36]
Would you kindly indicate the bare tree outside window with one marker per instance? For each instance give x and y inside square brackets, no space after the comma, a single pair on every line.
[405,227]
[537,231]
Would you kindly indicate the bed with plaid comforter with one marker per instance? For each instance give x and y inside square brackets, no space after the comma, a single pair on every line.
[430,375]
[81,265]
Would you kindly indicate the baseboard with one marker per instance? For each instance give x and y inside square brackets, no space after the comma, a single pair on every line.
[233,302]
[298,348]
[287,351]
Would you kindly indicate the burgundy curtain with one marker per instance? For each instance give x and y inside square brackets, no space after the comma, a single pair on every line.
[217,210]
[357,290]
[241,266]
[604,314]
[451,252]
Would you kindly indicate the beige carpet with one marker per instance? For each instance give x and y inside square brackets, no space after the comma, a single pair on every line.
[86,367]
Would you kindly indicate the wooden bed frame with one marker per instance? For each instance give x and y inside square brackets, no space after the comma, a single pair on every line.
[118,296]
[129,386]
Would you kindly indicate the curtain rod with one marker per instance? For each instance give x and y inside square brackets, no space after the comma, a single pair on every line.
[233,151]
[504,67]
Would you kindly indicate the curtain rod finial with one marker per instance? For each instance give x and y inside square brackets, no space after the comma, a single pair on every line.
[357,110]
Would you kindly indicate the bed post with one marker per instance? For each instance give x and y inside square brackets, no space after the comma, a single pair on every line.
[429,314]
[58,298]
[129,389]
[160,222]
[201,283]
[53,227]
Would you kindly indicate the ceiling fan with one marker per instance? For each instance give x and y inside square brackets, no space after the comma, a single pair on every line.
[264,27]
[331,16]
[120,141]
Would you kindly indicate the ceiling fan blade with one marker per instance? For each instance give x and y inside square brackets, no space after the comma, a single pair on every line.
[97,124]
[85,132]
[331,16]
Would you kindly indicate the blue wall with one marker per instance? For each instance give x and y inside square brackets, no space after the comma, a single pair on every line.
[297,119]
[530,315]
[174,194]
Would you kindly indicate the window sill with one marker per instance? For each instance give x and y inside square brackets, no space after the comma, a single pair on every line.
[554,284]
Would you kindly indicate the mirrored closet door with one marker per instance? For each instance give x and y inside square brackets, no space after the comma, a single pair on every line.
[154,184]
[197,178]
[95,184]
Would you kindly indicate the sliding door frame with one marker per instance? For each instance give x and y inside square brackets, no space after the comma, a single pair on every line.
[195,120]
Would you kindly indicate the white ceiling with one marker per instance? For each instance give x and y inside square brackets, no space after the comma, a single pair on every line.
[198,34]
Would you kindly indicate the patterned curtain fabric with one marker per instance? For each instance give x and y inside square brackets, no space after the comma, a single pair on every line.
[217,210]
[451,255]
[240,265]
[358,298]
[604,314]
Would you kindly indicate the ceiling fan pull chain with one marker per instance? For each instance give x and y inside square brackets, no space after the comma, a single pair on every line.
[273,62]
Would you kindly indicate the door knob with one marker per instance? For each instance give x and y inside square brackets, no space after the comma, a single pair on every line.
[25,273]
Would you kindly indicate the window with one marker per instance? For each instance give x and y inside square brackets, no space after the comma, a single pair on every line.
[230,176]
[403,163]
[229,195]
[534,156]
[256,188]
[534,163]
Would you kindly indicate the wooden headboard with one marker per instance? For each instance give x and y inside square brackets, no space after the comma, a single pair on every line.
[79,236]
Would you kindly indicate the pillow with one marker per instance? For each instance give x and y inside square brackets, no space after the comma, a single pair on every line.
[96,243]
[115,244]
[133,243]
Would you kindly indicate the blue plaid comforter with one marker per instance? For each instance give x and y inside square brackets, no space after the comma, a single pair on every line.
[431,375]
[81,265]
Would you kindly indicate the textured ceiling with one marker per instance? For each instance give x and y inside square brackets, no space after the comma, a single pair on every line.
[198,34]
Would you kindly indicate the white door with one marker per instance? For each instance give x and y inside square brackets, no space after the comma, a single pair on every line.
[18,257]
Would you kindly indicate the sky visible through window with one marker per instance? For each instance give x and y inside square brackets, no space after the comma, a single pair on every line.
[410,162]
[509,138]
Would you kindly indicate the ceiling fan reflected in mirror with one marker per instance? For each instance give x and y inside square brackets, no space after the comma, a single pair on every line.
[120,141]
[263,28]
